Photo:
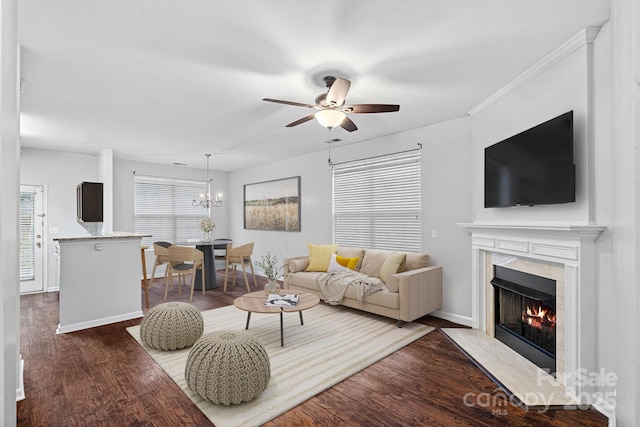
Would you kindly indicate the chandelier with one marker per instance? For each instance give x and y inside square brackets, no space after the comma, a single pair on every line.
[204,199]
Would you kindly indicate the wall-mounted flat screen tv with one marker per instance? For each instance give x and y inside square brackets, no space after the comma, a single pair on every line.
[534,167]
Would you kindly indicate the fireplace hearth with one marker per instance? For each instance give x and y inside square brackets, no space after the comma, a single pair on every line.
[525,315]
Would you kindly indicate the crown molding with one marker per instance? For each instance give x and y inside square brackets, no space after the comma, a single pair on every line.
[584,37]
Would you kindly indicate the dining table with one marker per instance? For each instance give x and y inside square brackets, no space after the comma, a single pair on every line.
[208,249]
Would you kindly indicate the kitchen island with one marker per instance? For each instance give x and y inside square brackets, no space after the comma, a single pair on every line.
[99,280]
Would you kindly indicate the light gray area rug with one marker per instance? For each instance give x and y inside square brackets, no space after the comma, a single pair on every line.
[333,344]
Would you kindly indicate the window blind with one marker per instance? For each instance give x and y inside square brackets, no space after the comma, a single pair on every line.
[27,238]
[377,203]
[163,208]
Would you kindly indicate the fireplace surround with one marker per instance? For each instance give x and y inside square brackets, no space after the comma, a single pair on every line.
[564,254]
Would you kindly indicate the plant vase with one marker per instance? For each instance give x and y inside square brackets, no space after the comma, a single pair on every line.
[206,237]
[272,287]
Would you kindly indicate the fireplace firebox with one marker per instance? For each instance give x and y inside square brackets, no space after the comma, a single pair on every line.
[525,315]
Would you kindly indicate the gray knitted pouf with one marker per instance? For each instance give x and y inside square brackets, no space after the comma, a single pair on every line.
[171,326]
[228,367]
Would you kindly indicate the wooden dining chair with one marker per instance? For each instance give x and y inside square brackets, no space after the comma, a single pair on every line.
[184,260]
[240,255]
[161,250]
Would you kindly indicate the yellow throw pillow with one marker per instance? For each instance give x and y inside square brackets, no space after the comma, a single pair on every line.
[350,263]
[391,265]
[319,256]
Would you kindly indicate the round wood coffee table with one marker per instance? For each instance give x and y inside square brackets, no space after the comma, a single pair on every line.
[254,303]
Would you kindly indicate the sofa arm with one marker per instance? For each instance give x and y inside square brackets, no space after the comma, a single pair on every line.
[420,292]
[294,264]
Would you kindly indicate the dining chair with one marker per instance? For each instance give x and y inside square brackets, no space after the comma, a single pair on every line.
[184,260]
[239,255]
[220,251]
[161,250]
[145,279]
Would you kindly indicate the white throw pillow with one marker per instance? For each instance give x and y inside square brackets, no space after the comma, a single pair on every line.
[334,267]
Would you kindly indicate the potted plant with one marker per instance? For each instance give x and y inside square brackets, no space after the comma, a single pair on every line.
[269,265]
[207,225]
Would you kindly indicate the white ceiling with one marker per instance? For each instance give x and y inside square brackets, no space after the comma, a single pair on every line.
[167,81]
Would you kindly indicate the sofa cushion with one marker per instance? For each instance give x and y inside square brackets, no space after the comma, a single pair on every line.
[348,252]
[413,261]
[391,265]
[295,265]
[305,280]
[319,256]
[383,298]
[372,262]
[393,283]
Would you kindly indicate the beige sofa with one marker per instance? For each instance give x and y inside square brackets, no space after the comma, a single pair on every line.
[414,291]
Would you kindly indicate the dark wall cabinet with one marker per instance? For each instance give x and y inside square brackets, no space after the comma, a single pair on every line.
[89,199]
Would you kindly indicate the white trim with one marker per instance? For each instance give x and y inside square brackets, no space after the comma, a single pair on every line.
[583,38]
[452,317]
[608,410]
[98,322]
[20,389]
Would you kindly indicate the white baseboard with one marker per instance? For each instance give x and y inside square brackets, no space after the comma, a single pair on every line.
[608,410]
[455,318]
[20,389]
[98,322]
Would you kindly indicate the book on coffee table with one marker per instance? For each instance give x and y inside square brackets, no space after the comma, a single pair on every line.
[282,300]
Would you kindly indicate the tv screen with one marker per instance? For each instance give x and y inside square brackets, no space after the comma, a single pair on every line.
[533,167]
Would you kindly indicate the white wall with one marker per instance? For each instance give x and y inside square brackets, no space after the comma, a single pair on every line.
[9,190]
[446,178]
[560,88]
[617,143]
[123,219]
[60,172]
[596,82]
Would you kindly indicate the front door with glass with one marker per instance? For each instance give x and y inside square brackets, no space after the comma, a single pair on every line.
[31,238]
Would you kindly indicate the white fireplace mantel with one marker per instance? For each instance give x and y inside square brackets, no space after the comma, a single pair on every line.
[570,247]
[567,231]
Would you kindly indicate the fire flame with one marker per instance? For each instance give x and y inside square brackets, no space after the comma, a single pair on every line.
[537,316]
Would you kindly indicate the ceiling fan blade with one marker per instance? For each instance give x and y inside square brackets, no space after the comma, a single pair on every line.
[300,121]
[296,104]
[372,108]
[338,92]
[348,125]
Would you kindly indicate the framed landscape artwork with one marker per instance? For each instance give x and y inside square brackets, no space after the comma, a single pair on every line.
[273,205]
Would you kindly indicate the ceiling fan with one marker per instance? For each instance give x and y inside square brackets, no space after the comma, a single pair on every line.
[331,107]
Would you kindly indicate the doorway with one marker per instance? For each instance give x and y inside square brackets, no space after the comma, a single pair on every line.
[32,221]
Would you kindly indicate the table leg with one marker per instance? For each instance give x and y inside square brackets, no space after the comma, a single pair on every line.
[210,281]
[248,318]
[281,329]
[301,321]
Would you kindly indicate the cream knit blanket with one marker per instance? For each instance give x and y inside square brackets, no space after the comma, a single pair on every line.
[334,285]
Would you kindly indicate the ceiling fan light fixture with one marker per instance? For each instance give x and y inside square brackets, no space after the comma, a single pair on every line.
[330,118]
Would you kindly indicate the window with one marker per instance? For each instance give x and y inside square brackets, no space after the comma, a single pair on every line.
[377,203]
[27,233]
[163,208]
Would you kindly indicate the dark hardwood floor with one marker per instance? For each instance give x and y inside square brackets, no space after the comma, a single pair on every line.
[102,377]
